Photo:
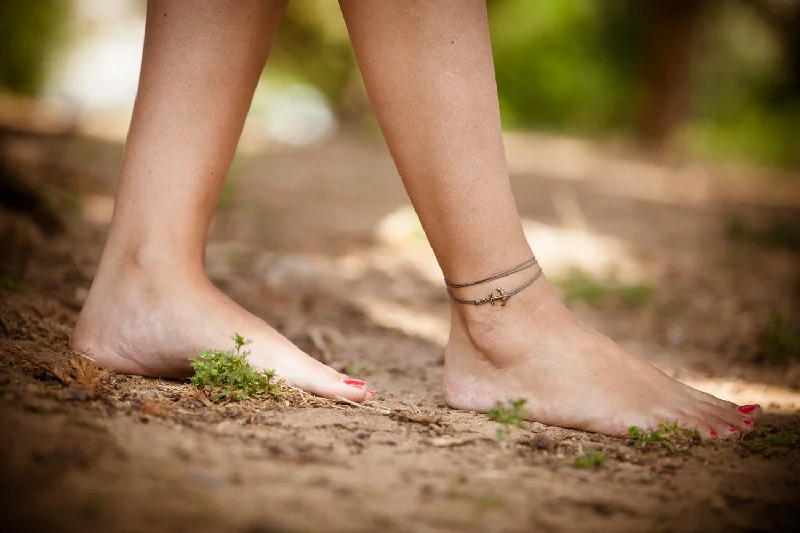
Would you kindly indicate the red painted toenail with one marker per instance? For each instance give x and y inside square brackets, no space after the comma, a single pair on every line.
[731,429]
[712,433]
[746,421]
[357,383]
[746,409]
[371,392]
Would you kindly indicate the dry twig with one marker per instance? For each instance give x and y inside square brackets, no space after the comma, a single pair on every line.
[378,410]
[448,442]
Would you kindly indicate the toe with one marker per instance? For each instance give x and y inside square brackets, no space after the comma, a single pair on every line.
[730,417]
[324,381]
[730,411]
[704,429]
[350,388]
[721,427]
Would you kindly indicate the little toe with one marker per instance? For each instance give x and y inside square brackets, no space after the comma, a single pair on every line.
[721,427]
[706,431]
[733,433]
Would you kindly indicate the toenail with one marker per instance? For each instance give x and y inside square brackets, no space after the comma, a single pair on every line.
[712,433]
[746,409]
[371,392]
[746,421]
[357,383]
[731,429]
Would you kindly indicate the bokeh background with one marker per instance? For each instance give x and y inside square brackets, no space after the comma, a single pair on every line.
[717,79]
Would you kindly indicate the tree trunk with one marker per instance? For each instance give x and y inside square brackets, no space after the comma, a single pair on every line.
[671,31]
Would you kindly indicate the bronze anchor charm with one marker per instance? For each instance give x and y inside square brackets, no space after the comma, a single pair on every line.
[492,297]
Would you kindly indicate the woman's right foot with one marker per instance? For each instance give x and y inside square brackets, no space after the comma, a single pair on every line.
[141,322]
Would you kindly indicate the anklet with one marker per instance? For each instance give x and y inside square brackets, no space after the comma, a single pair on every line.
[503,297]
[522,266]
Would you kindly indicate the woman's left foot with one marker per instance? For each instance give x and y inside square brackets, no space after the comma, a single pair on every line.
[571,375]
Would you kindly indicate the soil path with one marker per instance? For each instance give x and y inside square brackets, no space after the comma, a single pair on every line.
[320,243]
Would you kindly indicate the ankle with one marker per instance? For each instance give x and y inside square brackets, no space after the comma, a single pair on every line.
[536,308]
[135,259]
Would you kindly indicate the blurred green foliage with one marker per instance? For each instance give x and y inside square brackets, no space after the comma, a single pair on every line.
[579,286]
[780,340]
[566,64]
[313,47]
[575,66]
[30,30]
[779,232]
[572,66]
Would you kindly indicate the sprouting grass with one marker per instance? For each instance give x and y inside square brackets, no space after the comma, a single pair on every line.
[672,437]
[778,233]
[736,228]
[780,440]
[9,284]
[780,341]
[635,296]
[487,502]
[783,233]
[226,375]
[357,369]
[510,416]
[579,286]
[591,459]
[672,308]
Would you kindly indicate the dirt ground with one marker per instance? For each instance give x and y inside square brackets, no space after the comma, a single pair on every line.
[320,243]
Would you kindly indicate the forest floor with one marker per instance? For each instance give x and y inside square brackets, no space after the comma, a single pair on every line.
[693,268]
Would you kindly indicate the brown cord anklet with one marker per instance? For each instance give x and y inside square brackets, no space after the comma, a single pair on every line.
[503,297]
[522,266]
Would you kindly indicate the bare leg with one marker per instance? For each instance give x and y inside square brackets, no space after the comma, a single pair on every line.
[429,74]
[151,306]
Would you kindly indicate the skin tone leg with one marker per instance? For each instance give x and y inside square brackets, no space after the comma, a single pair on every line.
[151,306]
[429,74]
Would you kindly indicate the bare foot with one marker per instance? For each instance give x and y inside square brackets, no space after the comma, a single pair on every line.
[136,322]
[571,375]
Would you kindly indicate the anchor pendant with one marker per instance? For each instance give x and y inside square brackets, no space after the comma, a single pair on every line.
[503,297]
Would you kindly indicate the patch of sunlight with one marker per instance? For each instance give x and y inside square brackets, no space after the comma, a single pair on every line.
[614,170]
[770,397]
[94,78]
[97,208]
[400,228]
[413,322]
[551,156]
[299,115]
[562,250]
[295,114]
[605,169]
[401,231]
[559,250]
[101,71]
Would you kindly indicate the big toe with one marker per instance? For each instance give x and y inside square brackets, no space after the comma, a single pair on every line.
[751,412]
[344,387]
[325,382]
